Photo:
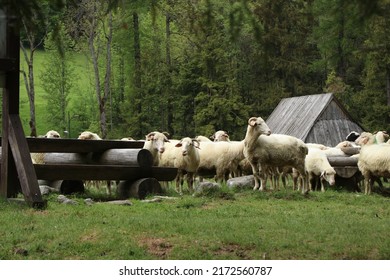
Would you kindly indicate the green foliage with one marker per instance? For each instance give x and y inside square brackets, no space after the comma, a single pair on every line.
[57,80]
[213,65]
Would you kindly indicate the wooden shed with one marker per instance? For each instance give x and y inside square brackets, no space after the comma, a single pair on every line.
[318,118]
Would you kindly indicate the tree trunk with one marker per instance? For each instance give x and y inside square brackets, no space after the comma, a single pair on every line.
[107,79]
[388,85]
[137,72]
[169,69]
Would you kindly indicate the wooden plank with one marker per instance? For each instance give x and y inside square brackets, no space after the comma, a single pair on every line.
[40,145]
[101,172]
[24,166]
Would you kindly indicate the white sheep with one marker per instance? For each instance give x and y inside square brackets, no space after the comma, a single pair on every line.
[155,142]
[87,135]
[220,135]
[184,156]
[317,165]
[39,158]
[374,160]
[264,150]
[221,157]
[201,138]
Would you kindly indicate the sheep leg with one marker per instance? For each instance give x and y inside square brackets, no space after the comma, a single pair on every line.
[177,180]
[190,181]
[256,175]
[323,185]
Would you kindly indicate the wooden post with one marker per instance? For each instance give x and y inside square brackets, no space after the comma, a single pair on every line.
[17,170]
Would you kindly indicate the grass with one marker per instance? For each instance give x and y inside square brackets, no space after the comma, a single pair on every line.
[220,225]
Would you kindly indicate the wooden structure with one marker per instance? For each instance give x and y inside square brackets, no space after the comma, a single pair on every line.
[321,119]
[318,118]
[19,174]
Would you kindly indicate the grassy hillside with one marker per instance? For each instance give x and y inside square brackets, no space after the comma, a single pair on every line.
[82,86]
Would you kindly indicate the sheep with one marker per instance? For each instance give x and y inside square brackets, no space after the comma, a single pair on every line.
[184,156]
[155,142]
[352,136]
[88,135]
[264,150]
[221,157]
[127,139]
[201,138]
[39,158]
[374,160]
[220,135]
[381,137]
[317,165]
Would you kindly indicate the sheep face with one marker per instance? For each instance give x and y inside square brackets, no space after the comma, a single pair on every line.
[52,134]
[259,125]
[329,176]
[220,135]
[363,139]
[158,140]
[186,144]
[87,135]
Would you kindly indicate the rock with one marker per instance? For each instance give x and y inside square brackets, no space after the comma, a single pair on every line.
[241,182]
[64,200]
[205,185]
[120,202]
[45,190]
[89,201]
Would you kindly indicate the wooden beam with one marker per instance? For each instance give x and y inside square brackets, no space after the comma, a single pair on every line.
[24,166]
[102,172]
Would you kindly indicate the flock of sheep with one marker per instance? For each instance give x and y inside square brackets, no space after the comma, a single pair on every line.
[265,155]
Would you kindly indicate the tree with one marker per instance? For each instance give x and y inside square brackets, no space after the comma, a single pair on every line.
[57,80]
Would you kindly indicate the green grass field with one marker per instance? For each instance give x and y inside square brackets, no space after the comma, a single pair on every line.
[223,225]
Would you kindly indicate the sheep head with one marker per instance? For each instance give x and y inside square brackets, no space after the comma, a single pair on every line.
[260,125]
[186,144]
[52,134]
[158,140]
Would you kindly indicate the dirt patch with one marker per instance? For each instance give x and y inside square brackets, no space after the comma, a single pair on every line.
[234,250]
[90,237]
[158,247]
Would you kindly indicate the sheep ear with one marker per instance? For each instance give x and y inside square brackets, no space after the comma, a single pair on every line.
[196,143]
[178,145]
[252,121]
[322,174]
[150,136]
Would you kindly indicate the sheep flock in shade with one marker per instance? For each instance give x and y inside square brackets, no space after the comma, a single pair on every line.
[268,157]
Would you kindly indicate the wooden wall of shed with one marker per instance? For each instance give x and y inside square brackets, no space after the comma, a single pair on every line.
[331,132]
[333,112]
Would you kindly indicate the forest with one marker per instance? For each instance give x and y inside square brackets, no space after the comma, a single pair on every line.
[191,67]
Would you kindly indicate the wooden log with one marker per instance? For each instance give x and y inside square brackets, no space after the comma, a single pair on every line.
[343,161]
[346,171]
[68,186]
[128,157]
[66,158]
[139,188]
